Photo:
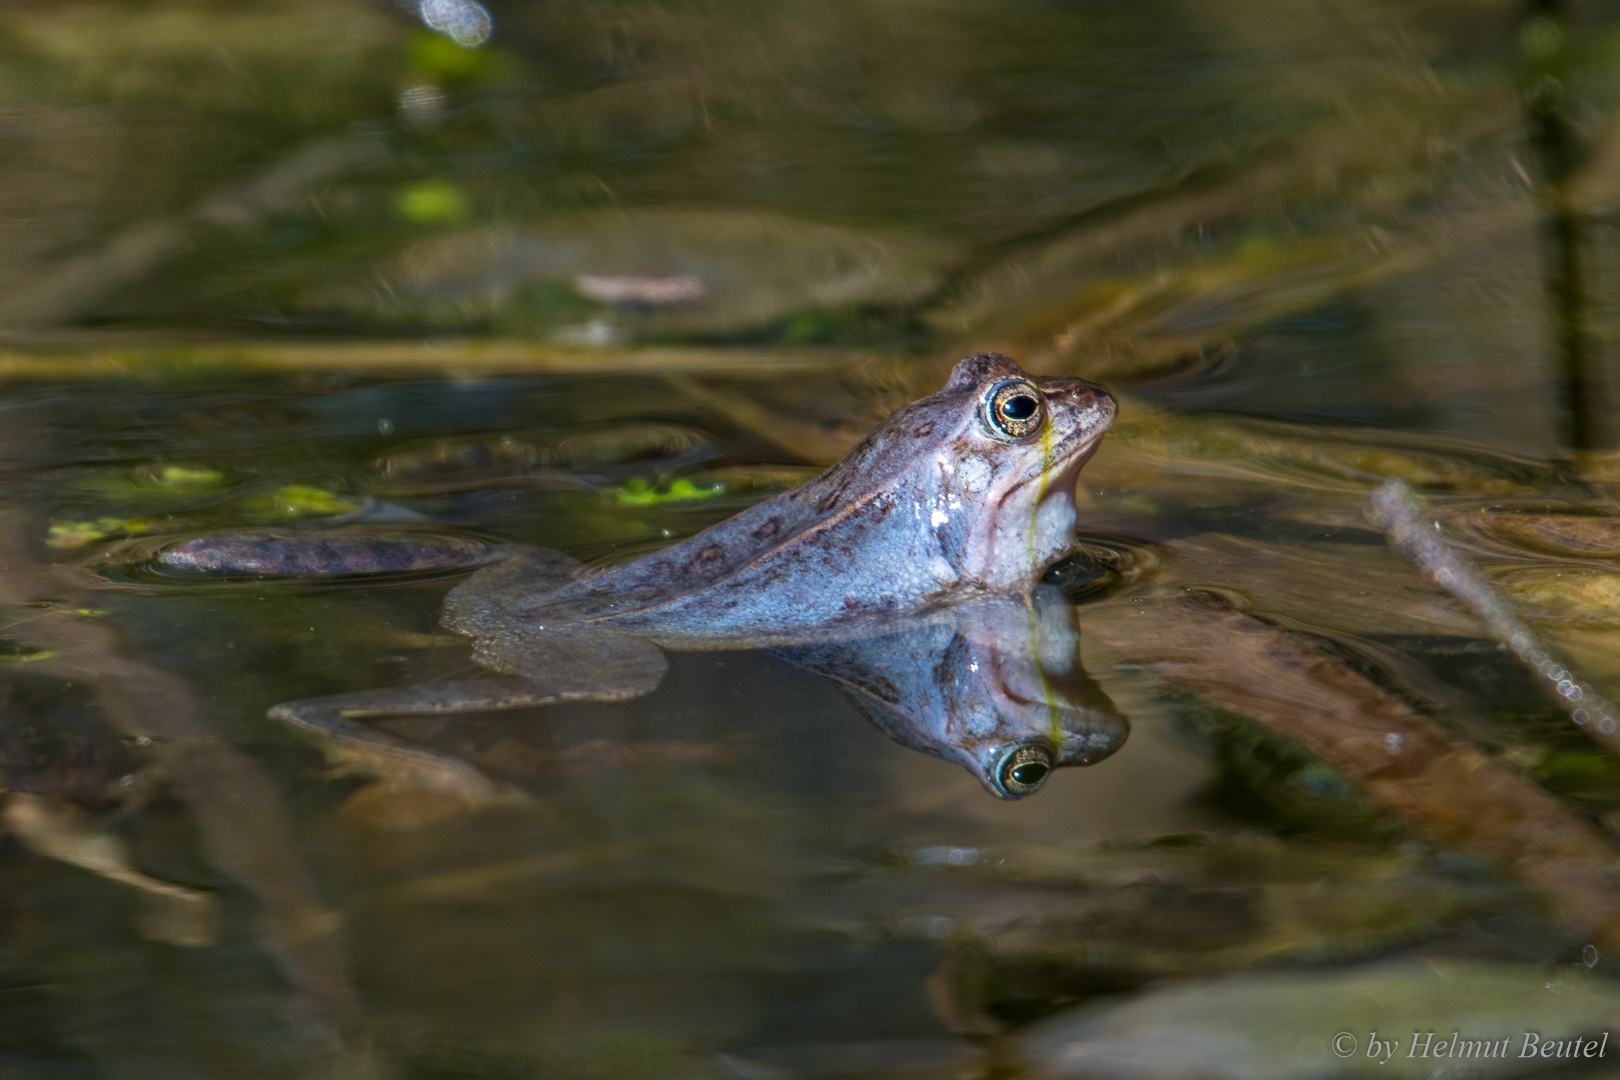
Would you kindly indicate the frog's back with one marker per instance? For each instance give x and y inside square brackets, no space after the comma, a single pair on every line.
[694,590]
[544,590]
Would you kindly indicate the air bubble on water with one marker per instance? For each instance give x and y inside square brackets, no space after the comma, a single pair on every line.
[466,23]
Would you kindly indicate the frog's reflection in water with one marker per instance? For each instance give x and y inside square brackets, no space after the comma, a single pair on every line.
[995,687]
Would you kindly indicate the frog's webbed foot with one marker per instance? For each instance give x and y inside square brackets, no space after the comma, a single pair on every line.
[561,667]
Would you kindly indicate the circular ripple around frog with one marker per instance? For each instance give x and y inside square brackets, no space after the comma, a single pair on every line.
[292,558]
[1102,563]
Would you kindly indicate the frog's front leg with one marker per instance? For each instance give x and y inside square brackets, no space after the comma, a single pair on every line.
[568,667]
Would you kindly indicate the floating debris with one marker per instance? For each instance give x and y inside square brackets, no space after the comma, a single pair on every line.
[632,290]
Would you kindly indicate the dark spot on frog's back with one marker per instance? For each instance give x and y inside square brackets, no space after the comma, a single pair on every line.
[707,557]
[768,530]
[923,430]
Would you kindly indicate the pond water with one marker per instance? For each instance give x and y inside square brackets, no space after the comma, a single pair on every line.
[618,272]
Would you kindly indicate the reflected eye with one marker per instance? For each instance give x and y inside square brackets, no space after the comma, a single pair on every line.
[1029,773]
[1015,408]
[1025,770]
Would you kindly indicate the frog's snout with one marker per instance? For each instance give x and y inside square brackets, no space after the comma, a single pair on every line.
[1091,406]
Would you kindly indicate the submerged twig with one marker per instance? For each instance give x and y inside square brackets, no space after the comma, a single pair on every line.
[1404,516]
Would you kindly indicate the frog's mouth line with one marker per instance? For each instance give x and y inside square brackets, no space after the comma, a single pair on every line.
[1067,459]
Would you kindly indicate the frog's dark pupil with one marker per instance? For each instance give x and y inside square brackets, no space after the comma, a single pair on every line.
[1030,772]
[1021,407]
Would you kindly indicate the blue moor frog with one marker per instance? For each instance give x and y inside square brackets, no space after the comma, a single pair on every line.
[928,540]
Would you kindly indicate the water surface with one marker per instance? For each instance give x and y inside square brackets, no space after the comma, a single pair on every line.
[320,263]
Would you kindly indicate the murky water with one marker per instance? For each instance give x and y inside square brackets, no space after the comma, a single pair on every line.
[617,273]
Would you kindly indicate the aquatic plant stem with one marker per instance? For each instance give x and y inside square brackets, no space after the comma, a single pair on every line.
[1404,516]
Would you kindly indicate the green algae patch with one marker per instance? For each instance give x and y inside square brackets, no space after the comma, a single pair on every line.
[739,481]
[288,502]
[640,492]
[433,202]
[67,535]
[155,481]
[298,500]
[186,478]
[27,657]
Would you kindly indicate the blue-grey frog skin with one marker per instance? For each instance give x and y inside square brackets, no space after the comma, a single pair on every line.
[958,500]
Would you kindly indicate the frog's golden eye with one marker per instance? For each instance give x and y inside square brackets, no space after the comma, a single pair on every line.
[1024,770]
[1014,408]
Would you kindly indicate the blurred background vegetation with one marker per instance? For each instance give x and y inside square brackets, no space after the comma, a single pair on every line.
[1322,215]
[1110,186]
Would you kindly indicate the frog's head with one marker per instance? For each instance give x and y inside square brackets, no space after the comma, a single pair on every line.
[993,460]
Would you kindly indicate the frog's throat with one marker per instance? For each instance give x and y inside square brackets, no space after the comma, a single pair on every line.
[1030,525]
